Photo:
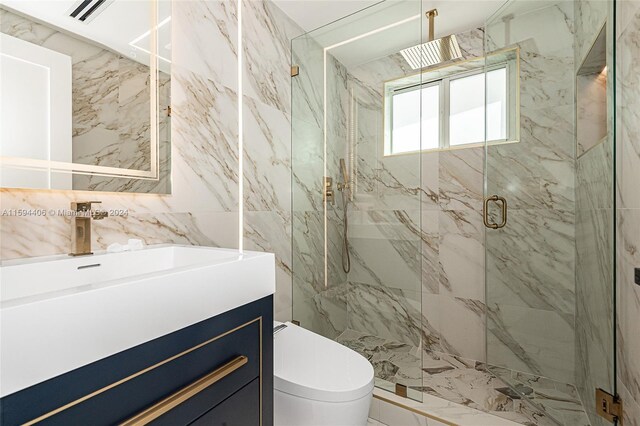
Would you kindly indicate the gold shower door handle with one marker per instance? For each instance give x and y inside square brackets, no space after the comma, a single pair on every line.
[485,212]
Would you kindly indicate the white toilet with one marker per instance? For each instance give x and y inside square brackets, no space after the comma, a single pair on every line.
[318,382]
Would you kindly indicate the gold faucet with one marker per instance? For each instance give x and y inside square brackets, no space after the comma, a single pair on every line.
[81,226]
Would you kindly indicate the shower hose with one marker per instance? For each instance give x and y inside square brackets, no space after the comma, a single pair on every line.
[346,257]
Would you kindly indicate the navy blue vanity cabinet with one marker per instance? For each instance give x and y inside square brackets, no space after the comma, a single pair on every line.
[216,372]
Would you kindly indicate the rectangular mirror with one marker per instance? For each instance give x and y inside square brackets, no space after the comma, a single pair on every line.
[85,95]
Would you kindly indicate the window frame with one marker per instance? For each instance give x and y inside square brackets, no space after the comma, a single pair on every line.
[444,143]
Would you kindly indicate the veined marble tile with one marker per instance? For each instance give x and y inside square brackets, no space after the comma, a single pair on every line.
[628,301]
[631,410]
[592,109]
[307,163]
[461,177]
[205,39]
[430,252]
[307,89]
[431,180]
[469,383]
[461,254]
[323,312]
[537,172]
[43,236]
[398,181]
[454,326]
[271,232]
[385,312]
[267,153]
[267,69]
[471,43]
[589,17]
[545,239]
[628,143]
[197,228]
[394,263]
[308,249]
[393,361]
[627,11]
[531,340]
[206,115]
[594,274]
[594,178]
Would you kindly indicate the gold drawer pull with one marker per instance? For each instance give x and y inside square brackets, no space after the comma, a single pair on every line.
[167,404]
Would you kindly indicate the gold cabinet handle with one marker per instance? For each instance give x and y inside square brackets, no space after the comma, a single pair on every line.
[167,404]
[485,212]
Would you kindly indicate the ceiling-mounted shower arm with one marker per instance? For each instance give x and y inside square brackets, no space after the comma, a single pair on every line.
[431,16]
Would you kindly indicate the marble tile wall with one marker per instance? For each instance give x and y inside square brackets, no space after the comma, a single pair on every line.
[110,117]
[415,230]
[628,207]
[203,206]
[594,217]
[531,262]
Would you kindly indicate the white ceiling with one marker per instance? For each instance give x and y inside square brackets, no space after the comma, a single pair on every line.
[380,21]
[115,27]
[311,14]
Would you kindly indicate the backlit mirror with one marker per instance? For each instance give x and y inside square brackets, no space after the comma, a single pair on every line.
[85,95]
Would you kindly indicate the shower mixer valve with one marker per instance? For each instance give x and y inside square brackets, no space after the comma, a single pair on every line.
[329,195]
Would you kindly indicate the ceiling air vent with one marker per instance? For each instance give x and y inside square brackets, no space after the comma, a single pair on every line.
[86,10]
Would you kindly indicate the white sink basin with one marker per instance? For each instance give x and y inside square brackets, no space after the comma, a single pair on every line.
[60,313]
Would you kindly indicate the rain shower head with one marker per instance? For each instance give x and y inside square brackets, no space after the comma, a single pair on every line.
[434,51]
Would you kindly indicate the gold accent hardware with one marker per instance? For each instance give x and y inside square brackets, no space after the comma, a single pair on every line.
[295,322]
[431,14]
[401,390]
[189,391]
[81,226]
[329,195]
[153,367]
[485,212]
[608,406]
[169,111]
[295,70]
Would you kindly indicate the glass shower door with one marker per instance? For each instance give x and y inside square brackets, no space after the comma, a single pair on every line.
[549,208]
[357,238]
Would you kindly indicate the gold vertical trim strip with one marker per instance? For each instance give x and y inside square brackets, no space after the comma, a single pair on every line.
[141,372]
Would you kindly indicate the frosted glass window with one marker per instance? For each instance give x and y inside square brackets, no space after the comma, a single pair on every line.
[466,106]
[407,133]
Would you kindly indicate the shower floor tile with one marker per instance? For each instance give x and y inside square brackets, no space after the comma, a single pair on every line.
[468,382]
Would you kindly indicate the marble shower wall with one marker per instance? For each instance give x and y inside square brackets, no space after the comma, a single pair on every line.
[110,117]
[203,206]
[531,262]
[628,207]
[594,217]
[416,230]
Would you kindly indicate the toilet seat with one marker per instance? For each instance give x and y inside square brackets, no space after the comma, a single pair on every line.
[310,366]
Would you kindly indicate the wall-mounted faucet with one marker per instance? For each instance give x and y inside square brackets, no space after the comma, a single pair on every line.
[81,226]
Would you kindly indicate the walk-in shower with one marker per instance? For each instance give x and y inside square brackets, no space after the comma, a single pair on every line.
[515,319]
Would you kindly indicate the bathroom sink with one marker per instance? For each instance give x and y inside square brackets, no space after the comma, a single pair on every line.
[59,313]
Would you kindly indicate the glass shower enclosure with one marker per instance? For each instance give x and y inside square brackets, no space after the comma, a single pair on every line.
[357,233]
[550,269]
[456,214]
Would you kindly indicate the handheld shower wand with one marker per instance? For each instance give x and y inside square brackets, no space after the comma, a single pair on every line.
[343,187]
